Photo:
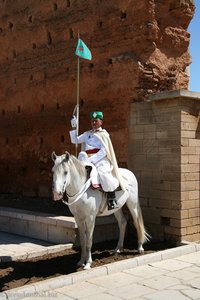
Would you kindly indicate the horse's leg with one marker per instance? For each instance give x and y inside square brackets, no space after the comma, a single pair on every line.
[136,213]
[122,228]
[90,224]
[81,230]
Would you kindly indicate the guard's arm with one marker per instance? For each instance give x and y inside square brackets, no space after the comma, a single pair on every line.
[76,139]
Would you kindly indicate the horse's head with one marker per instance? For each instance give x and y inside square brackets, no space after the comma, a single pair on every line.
[61,175]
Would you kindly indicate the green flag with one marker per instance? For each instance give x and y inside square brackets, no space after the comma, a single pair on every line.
[82,50]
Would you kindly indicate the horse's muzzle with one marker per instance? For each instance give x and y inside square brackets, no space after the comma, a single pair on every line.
[57,196]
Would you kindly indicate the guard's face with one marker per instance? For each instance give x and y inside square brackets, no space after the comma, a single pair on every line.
[96,123]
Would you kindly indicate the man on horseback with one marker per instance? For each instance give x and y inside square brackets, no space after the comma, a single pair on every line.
[99,152]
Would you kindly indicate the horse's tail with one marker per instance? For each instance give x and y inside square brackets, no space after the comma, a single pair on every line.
[144,236]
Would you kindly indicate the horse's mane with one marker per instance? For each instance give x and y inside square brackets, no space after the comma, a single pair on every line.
[78,165]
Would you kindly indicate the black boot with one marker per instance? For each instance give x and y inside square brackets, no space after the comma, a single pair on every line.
[111,200]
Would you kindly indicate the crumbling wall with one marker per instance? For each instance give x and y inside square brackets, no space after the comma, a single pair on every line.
[138,48]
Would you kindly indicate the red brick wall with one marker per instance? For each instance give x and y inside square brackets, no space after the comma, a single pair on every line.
[138,48]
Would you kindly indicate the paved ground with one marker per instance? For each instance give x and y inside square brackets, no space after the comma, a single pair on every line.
[173,273]
[13,247]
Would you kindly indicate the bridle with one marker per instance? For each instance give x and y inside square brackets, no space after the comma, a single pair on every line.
[74,198]
[78,195]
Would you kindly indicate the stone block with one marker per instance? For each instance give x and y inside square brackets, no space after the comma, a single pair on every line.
[176,204]
[105,233]
[192,237]
[190,176]
[197,150]
[184,142]
[89,274]
[51,284]
[170,176]
[197,185]
[170,213]
[175,223]
[188,134]
[11,212]
[188,126]
[192,230]
[174,232]
[184,196]
[156,231]
[159,203]
[62,235]
[151,215]
[194,143]
[185,159]
[188,118]
[68,222]
[4,224]
[193,195]
[23,215]
[171,253]
[37,230]
[188,150]
[194,212]
[18,226]
[188,204]
[55,229]
[188,185]
[137,136]
[44,218]
[164,151]
[187,222]
[184,214]
[3,296]
[20,293]
[148,259]
[121,265]
[189,168]
[194,159]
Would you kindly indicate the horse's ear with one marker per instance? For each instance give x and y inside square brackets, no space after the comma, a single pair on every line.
[67,155]
[53,156]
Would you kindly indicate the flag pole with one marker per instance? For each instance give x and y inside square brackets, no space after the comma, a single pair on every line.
[77,101]
[82,51]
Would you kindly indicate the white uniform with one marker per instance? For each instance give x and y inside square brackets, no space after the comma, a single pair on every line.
[99,159]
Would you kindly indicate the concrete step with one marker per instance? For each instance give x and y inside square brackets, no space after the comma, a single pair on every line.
[53,228]
[15,247]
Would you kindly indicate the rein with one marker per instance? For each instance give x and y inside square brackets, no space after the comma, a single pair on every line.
[78,195]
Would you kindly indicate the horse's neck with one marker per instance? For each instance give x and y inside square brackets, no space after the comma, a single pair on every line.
[78,178]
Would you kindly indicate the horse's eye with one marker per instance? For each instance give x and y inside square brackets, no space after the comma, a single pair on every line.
[65,173]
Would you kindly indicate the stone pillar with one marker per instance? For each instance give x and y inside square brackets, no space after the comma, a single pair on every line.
[164,151]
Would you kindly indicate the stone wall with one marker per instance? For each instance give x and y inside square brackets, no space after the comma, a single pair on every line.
[138,48]
[164,153]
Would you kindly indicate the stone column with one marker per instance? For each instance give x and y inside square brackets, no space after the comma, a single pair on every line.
[164,151]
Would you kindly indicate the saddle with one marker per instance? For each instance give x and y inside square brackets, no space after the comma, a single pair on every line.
[96,186]
[106,201]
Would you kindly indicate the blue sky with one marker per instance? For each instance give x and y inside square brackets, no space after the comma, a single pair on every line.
[194,29]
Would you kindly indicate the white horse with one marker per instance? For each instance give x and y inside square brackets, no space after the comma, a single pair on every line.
[85,203]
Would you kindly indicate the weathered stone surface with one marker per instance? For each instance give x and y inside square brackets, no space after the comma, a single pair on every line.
[138,47]
[166,163]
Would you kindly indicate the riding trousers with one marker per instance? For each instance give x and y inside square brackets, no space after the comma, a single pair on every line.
[102,173]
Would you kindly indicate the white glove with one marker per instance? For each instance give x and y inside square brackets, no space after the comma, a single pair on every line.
[74,122]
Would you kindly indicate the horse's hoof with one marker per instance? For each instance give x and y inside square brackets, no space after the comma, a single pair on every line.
[141,251]
[87,267]
[80,264]
[118,250]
